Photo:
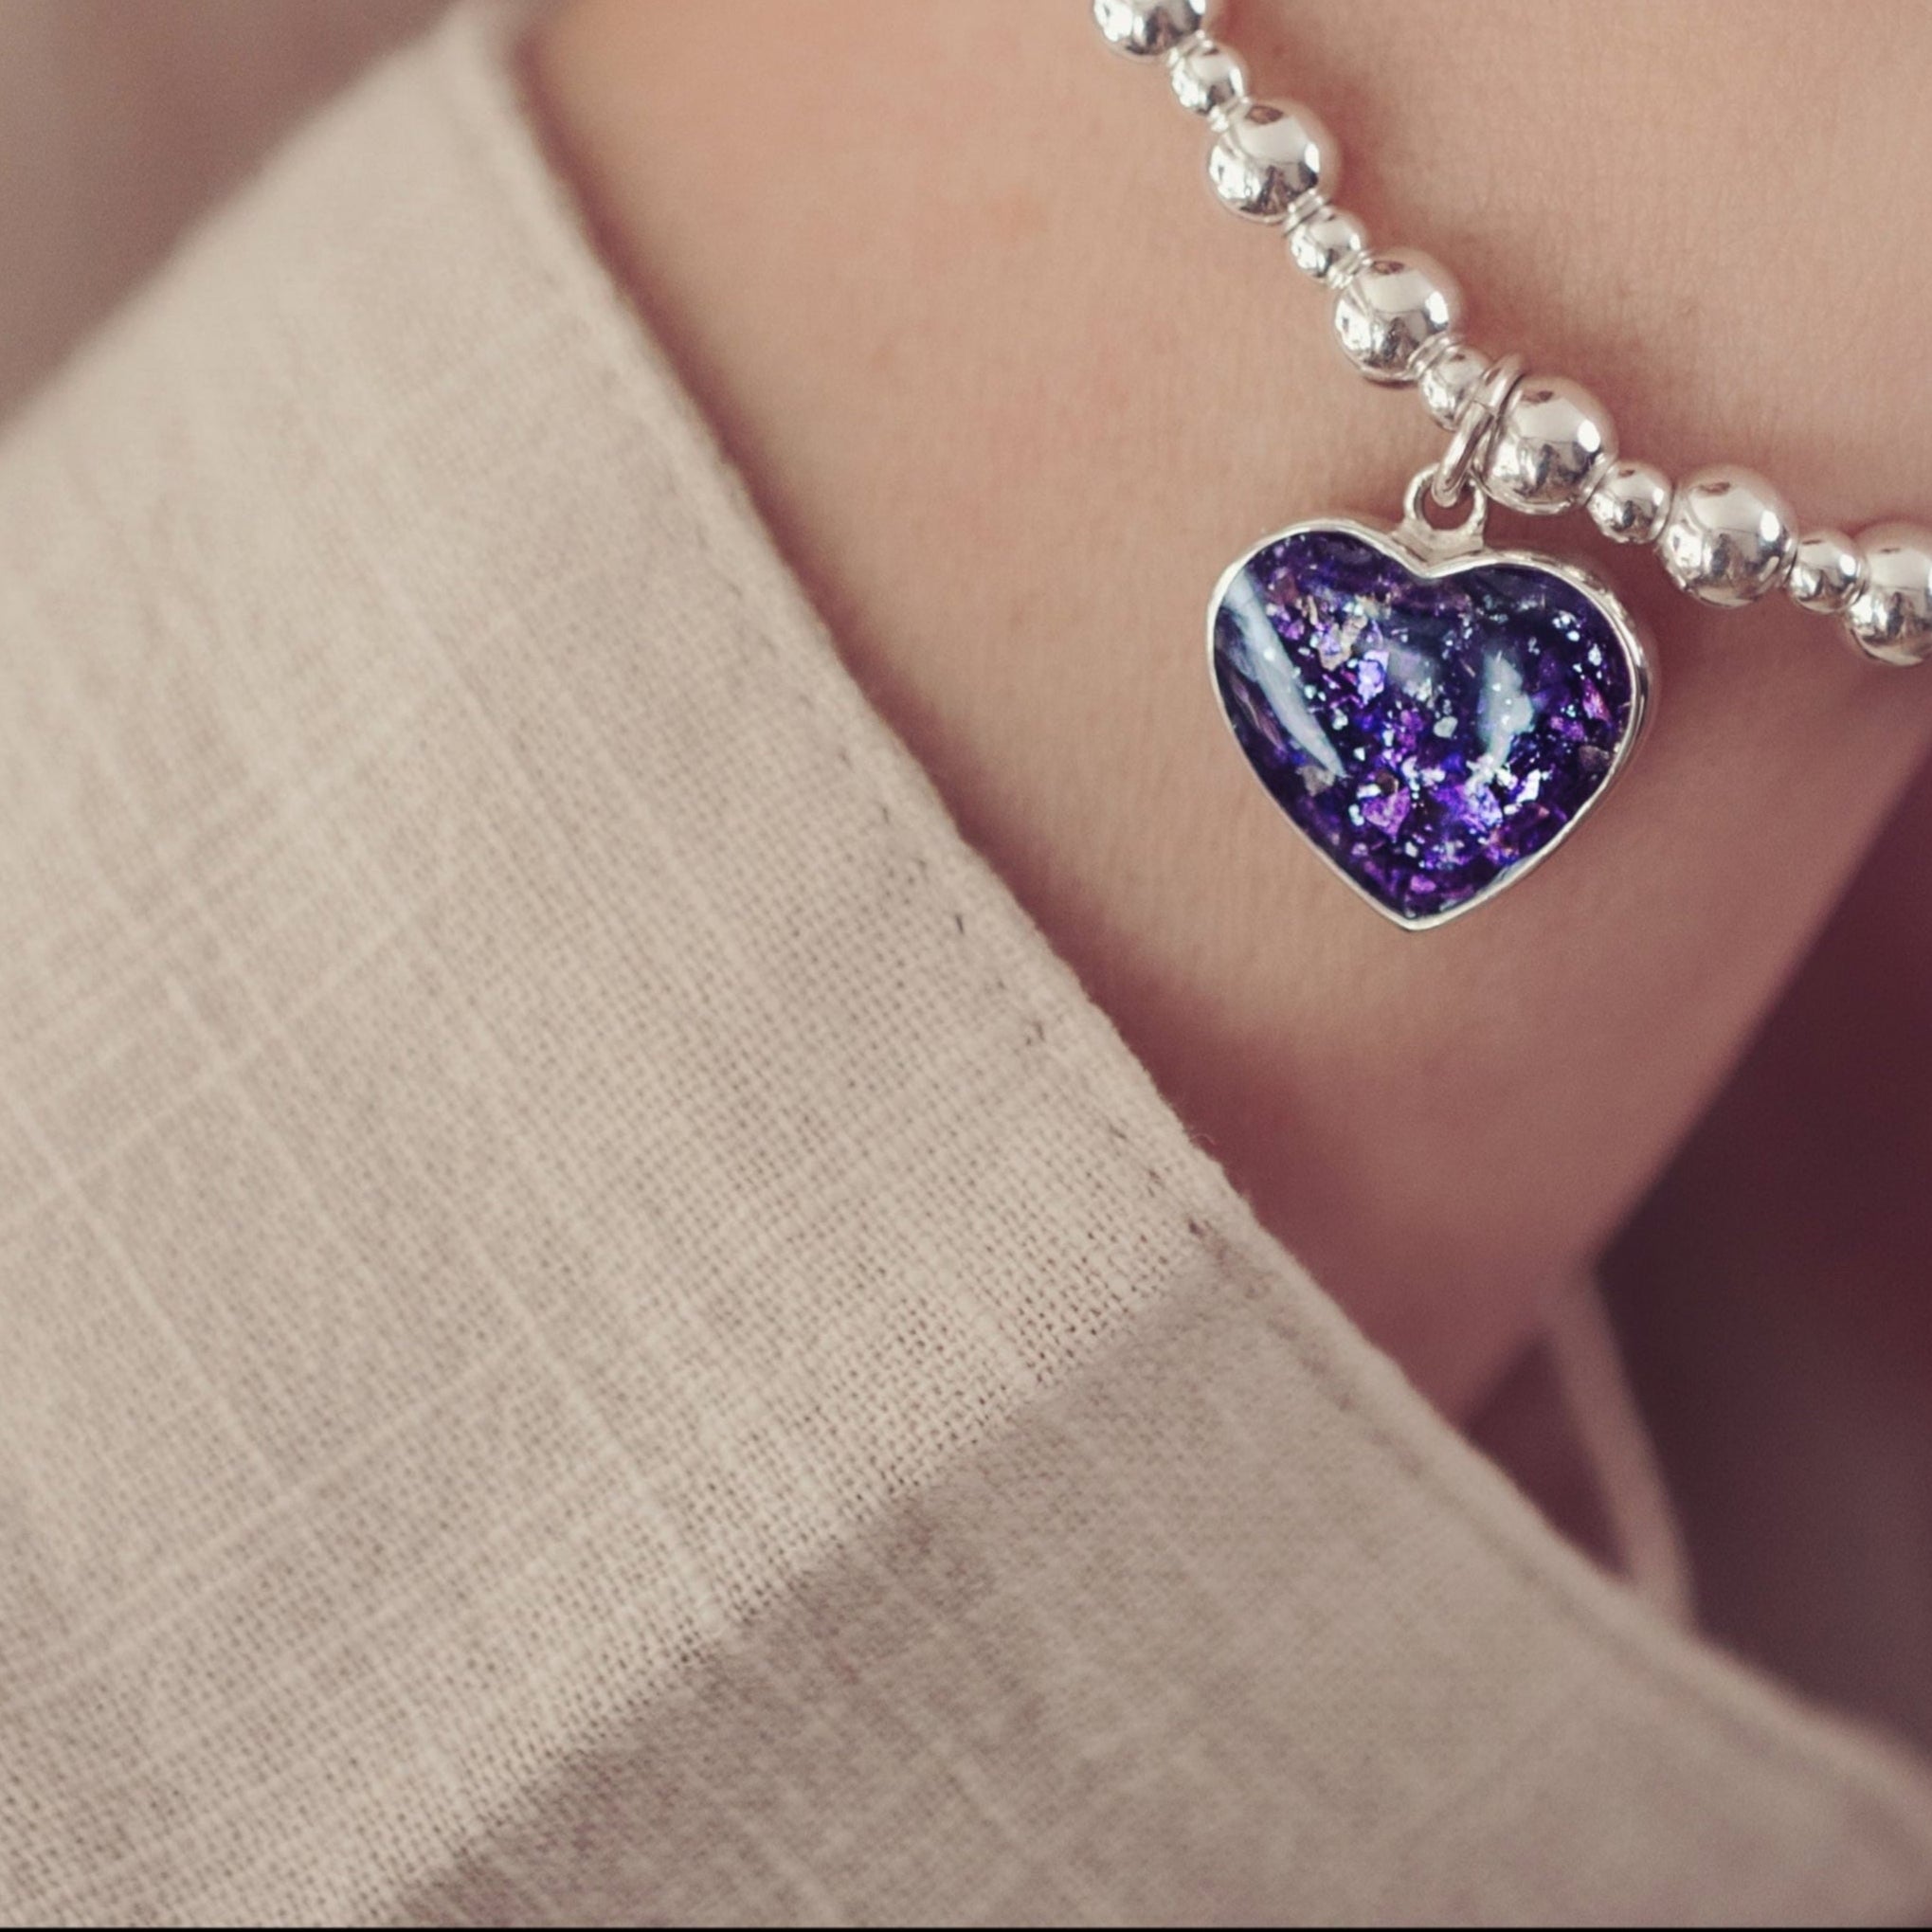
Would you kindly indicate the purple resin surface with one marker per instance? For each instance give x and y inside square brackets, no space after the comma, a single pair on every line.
[1429,734]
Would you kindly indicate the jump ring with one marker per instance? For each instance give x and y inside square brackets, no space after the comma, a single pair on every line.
[1475,429]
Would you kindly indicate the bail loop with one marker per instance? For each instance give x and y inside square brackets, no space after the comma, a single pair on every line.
[1441,539]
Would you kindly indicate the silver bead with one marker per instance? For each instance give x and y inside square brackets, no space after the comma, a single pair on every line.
[1630,502]
[1147,27]
[1728,537]
[1390,310]
[1891,615]
[1826,570]
[1447,375]
[1553,439]
[1269,161]
[1207,77]
[1328,245]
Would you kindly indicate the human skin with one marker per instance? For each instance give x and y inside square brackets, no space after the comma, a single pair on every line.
[1011,392]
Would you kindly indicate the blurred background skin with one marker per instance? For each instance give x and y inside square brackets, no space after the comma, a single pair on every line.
[1773,1289]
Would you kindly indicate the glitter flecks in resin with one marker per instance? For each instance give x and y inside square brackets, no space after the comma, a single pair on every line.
[1430,733]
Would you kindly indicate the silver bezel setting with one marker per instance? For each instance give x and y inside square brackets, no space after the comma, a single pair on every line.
[1432,554]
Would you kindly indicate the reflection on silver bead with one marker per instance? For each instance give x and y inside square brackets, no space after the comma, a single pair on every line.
[1554,440]
[1207,77]
[1891,615]
[1147,27]
[1271,161]
[1630,502]
[1447,373]
[1328,245]
[1390,310]
[1825,572]
[1728,537]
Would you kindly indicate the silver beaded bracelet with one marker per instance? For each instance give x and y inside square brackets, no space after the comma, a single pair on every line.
[1434,714]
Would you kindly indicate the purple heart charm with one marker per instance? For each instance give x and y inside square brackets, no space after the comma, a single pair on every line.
[1434,716]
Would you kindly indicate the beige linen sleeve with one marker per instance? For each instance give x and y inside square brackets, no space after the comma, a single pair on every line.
[591,1329]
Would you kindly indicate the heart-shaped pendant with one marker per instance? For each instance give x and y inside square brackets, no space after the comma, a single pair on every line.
[1436,716]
